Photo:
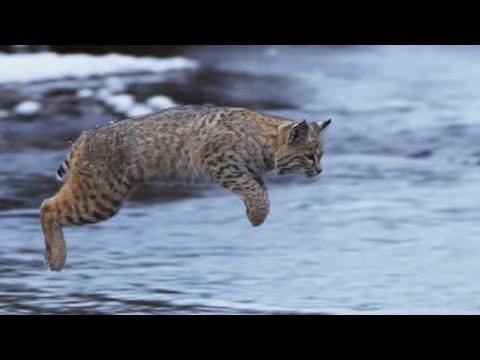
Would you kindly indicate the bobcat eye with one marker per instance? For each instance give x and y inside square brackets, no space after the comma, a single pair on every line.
[311,157]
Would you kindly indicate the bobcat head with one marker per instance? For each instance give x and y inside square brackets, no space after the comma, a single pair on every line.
[301,148]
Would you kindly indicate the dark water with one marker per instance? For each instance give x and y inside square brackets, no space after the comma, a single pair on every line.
[391,226]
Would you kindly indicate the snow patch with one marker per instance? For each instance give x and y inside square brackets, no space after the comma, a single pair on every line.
[160,102]
[120,103]
[103,94]
[138,110]
[85,93]
[126,104]
[115,85]
[49,66]
[27,108]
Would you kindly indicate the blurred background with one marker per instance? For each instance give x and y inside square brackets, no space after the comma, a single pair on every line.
[390,227]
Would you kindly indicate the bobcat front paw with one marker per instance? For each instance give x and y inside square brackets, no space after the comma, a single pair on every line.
[55,259]
[257,215]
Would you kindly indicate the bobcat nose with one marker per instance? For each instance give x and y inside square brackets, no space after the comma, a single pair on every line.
[319,171]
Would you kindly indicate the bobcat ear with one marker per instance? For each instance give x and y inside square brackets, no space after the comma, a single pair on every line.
[299,133]
[321,127]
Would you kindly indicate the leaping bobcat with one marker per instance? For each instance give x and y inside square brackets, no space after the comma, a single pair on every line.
[234,147]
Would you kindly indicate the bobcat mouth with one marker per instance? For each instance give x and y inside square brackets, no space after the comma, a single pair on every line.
[311,173]
[288,171]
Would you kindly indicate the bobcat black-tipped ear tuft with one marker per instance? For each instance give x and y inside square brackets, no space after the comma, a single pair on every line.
[325,125]
[320,127]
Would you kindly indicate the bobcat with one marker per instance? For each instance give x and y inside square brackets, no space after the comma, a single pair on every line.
[234,147]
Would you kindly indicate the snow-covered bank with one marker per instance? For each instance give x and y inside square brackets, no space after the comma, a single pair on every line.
[47,66]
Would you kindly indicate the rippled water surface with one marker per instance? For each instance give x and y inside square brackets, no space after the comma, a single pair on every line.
[391,226]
